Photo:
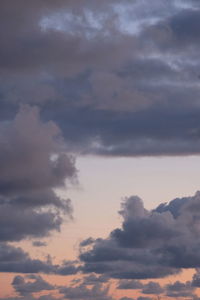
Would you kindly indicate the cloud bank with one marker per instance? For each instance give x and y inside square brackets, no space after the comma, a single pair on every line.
[119,79]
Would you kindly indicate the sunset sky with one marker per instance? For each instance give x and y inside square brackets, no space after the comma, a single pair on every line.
[99,149]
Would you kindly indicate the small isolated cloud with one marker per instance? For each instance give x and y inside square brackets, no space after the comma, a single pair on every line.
[39,244]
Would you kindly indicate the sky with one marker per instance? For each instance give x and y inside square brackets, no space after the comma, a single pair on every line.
[99,150]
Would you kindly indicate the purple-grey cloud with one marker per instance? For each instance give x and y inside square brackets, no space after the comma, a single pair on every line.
[150,244]
[119,79]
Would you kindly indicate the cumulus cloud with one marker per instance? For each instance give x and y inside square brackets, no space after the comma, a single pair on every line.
[39,244]
[30,284]
[179,289]
[93,279]
[148,288]
[82,292]
[150,244]
[34,284]
[30,154]
[16,260]
[129,285]
[152,288]
[33,163]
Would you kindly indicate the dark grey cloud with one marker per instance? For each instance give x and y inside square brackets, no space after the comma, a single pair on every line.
[30,284]
[185,27]
[17,224]
[118,79]
[179,289]
[109,79]
[174,290]
[82,292]
[45,297]
[129,285]
[152,288]
[15,260]
[196,279]
[33,284]
[150,244]
[144,298]
[68,268]
[93,279]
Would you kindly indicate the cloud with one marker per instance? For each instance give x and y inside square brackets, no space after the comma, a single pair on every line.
[27,286]
[108,79]
[179,289]
[152,288]
[87,242]
[196,279]
[30,154]
[68,268]
[144,298]
[45,297]
[33,163]
[81,292]
[92,279]
[15,260]
[129,285]
[39,244]
[150,244]
[30,284]
[116,78]
[126,298]
[148,288]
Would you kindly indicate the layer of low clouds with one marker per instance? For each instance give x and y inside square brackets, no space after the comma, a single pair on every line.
[33,164]
[16,260]
[31,286]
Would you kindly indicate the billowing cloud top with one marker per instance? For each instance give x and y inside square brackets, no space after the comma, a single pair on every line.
[150,244]
[33,163]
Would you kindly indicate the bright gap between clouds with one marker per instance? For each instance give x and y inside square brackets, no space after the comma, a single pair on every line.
[129,19]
